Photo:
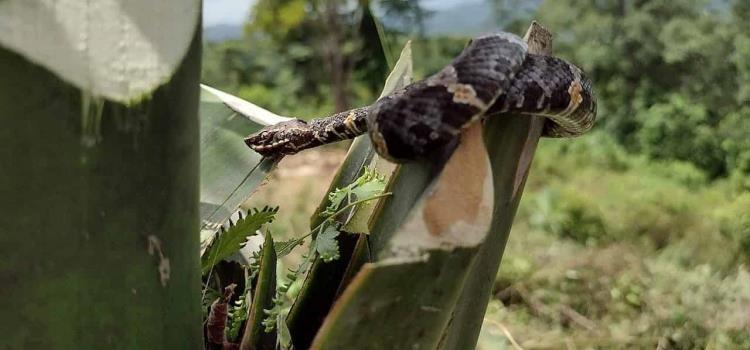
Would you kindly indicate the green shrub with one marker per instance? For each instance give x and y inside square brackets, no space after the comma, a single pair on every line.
[734,224]
[659,212]
[567,215]
[556,157]
[680,129]
[735,142]
[739,183]
[682,172]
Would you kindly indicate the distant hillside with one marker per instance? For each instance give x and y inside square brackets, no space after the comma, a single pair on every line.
[222,32]
[469,18]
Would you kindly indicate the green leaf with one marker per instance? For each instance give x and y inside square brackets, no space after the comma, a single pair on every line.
[336,198]
[360,220]
[368,189]
[326,244]
[401,74]
[368,185]
[264,291]
[230,241]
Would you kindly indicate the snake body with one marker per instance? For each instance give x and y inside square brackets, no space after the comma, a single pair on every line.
[493,76]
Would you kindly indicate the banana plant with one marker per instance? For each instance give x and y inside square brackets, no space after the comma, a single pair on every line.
[437,242]
[102,198]
[229,173]
[419,273]
[99,174]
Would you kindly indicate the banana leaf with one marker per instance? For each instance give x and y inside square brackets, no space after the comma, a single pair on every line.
[255,337]
[230,171]
[325,281]
[437,243]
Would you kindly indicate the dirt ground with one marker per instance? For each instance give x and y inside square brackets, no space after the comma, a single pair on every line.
[297,186]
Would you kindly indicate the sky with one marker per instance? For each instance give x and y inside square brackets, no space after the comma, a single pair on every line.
[217,12]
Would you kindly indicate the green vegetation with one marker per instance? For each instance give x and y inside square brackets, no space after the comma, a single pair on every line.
[322,243]
[634,236]
[671,76]
[624,252]
[229,241]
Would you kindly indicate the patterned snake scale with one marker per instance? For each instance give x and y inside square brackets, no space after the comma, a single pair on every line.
[493,76]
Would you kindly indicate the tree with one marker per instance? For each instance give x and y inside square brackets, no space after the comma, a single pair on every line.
[643,53]
[315,34]
[410,13]
[340,36]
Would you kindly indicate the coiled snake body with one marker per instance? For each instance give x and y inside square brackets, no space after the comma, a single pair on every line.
[493,76]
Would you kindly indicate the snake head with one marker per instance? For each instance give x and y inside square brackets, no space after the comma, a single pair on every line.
[281,139]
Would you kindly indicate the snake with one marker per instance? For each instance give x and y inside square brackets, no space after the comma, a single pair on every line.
[493,76]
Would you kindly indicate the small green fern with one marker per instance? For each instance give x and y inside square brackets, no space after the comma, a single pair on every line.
[237,315]
[229,241]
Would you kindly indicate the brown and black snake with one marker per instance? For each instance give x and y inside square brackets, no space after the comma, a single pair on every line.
[493,76]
